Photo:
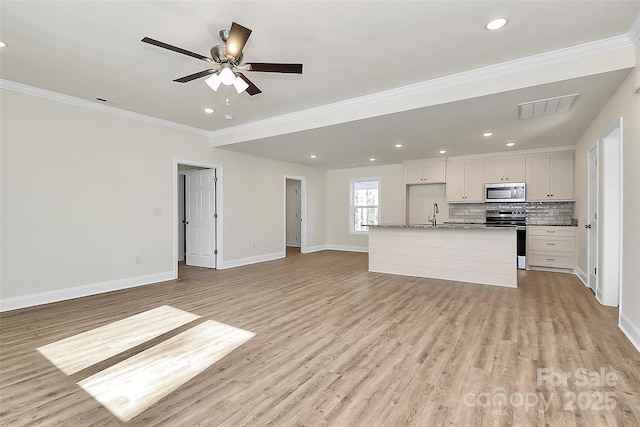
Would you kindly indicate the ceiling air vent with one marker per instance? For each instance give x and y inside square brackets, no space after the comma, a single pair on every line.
[546,107]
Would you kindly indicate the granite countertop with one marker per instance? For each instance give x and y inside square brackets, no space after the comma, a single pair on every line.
[451,225]
[552,225]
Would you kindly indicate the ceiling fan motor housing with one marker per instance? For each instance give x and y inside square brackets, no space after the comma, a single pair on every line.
[219,56]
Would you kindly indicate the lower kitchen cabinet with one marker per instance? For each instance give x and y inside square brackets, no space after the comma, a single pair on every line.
[551,247]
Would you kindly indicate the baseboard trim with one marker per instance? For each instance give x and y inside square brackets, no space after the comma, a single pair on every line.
[32,300]
[252,260]
[316,248]
[582,276]
[348,248]
[630,330]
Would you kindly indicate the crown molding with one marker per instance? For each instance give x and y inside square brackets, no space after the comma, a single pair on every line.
[634,30]
[83,103]
[396,96]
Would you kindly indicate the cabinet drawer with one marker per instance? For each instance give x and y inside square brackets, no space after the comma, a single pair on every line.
[551,231]
[554,260]
[552,244]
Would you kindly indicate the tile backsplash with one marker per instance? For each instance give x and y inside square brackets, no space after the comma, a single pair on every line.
[556,213]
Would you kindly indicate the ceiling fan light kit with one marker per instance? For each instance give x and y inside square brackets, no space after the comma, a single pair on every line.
[229,56]
[214,81]
[240,85]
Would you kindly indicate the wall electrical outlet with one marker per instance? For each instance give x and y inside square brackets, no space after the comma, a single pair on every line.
[138,259]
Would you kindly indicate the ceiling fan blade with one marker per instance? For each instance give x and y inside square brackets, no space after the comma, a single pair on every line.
[252,89]
[194,76]
[238,36]
[274,68]
[176,49]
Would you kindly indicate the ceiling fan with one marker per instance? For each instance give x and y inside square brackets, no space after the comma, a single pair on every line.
[229,58]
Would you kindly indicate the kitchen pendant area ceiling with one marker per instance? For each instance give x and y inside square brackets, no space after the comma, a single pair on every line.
[374,74]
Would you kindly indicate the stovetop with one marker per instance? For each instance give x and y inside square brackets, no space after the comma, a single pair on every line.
[505,218]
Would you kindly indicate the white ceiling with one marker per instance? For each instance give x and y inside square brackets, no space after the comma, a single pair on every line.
[351,51]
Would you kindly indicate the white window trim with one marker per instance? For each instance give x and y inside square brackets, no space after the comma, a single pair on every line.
[352,182]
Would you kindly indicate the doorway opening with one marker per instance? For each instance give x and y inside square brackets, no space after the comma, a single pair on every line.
[294,214]
[197,223]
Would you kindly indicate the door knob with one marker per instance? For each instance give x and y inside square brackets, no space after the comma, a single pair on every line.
[587,226]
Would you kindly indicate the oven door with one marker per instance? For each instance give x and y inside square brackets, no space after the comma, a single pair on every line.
[521,236]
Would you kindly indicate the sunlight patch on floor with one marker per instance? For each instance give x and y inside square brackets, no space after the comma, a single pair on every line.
[133,385]
[78,352]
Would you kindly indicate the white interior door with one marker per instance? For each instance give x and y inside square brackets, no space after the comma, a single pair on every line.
[592,221]
[201,218]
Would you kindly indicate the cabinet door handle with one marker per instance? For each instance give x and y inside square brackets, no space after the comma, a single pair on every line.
[551,231]
[551,244]
[551,259]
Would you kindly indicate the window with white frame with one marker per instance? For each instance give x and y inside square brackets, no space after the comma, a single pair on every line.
[365,204]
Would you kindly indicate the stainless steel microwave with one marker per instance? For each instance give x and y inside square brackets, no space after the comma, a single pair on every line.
[511,192]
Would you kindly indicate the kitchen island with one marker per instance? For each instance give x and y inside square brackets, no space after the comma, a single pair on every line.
[471,253]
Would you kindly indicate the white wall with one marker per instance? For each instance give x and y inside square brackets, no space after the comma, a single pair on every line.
[624,103]
[421,200]
[79,188]
[338,199]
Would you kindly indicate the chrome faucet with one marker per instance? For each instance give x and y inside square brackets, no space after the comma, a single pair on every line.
[433,219]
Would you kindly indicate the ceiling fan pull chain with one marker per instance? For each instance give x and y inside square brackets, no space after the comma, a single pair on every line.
[227,100]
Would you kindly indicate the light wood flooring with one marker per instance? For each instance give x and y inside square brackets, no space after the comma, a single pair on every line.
[336,345]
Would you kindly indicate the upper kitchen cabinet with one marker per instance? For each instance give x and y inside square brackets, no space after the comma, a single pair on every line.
[430,171]
[505,169]
[465,181]
[550,177]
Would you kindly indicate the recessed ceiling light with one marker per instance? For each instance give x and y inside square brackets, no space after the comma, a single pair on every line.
[209,110]
[487,134]
[2,44]
[496,23]
[510,144]
[398,145]
[313,156]
[373,159]
[442,151]
[228,117]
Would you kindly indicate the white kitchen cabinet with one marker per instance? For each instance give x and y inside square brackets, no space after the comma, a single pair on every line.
[430,171]
[549,177]
[505,169]
[551,247]
[465,181]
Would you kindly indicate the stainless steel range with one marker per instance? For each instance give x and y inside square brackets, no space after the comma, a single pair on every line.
[511,218]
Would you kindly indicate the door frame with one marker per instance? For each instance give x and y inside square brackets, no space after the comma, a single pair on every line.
[592,243]
[219,208]
[610,208]
[303,212]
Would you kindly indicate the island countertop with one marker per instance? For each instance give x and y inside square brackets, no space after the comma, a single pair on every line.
[448,225]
